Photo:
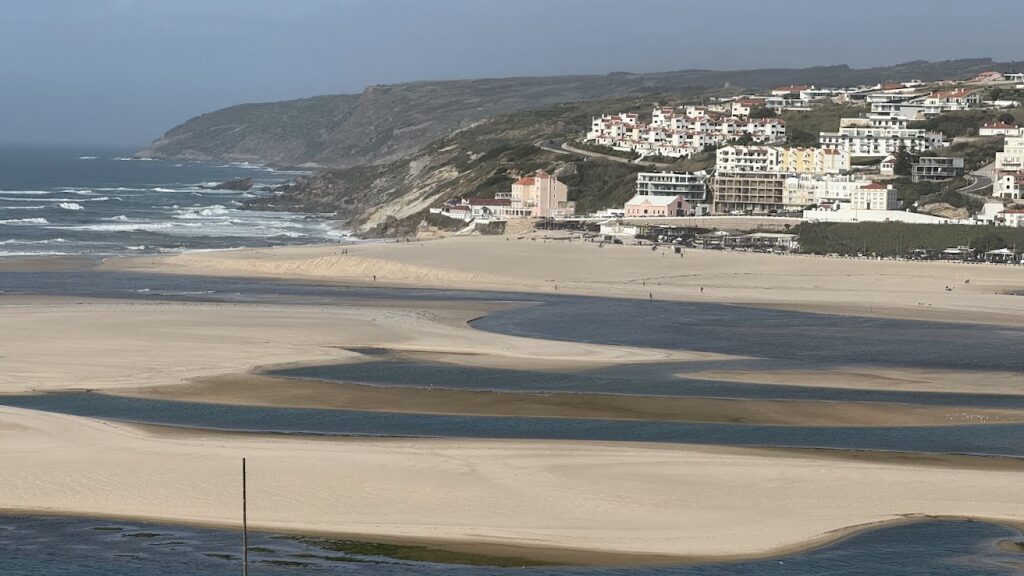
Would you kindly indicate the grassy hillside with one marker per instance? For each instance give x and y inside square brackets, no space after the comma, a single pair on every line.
[804,128]
[894,238]
[387,123]
[390,199]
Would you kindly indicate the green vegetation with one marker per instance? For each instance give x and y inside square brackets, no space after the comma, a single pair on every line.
[597,184]
[968,122]
[420,553]
[804,128]
[976,153]
[926,192]
[900,239]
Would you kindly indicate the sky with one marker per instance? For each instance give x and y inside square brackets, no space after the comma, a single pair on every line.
[121,72]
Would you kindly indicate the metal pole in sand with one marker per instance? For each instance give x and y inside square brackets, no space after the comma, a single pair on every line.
[245,526]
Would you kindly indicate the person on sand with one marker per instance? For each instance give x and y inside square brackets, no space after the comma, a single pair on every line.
[701,289]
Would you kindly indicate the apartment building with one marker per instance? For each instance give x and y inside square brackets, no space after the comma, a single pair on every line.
[1011,159]
[748,192]
[879,137]
[679,133]
[692,186]
[790,160]
[936,168]
[540,196]
[809,189]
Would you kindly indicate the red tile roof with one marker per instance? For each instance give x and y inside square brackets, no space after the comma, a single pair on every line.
[875,186]
[526,181]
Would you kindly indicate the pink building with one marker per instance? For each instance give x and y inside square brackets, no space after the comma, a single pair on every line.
[644,206]
[541,196]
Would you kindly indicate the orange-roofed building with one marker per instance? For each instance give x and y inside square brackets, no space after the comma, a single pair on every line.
[541,196]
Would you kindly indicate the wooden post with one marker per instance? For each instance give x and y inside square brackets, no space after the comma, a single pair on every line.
[245,525]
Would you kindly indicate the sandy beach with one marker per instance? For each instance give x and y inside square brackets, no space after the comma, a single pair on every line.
[572,501]
[614,498]
[549,263]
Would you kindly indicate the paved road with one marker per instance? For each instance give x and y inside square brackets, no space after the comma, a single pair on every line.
[980,186]
[561,147]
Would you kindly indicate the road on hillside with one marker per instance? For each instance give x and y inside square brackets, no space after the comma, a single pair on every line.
[562,147]
[981,182]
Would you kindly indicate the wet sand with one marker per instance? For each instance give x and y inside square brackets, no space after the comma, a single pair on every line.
[257,390]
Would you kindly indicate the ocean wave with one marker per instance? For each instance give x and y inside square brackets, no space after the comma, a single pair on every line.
[88,157]
[214,211]
[133,159]
[165,190]
[23,207]
[25,221]
[32,242]
[118,218]
[5,253]
[74,206]
[27,192]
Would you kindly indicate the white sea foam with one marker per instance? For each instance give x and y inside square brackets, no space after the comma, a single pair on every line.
[26,192]
[24,207]
[87,157]
[25,221]
[118,218]
[70,206]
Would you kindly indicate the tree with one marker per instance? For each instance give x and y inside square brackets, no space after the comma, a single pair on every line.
[1007,118]
[760,112]
[904,161]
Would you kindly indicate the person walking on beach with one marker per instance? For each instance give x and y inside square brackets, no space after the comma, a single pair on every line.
[701,289]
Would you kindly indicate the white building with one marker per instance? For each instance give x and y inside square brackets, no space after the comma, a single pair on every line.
[1009,186]
[806,190]
[1011,159]
[888,166]
[679,133]
[879,137]
[692,186]
[953,100]
[999,129]
[875,196]
[1014,218]
[747,159]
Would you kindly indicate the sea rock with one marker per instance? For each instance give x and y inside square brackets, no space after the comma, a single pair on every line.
[238,184]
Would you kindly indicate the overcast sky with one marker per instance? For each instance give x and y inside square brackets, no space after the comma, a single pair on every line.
[120,72]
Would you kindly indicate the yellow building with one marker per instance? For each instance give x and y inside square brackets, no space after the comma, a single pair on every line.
[813,160]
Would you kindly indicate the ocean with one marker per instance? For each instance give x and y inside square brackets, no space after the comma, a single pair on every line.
[65,201]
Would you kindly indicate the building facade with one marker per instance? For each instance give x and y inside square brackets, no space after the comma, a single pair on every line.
[652,206]
[748,192]
[692,186]
[936,168]
[1009,186]
[879,137]
[1011,159]
[876,196]
[540,196]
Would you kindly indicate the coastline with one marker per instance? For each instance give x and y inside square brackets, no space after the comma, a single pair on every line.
[684,513]
[710,503]
[551,263]
[501,554]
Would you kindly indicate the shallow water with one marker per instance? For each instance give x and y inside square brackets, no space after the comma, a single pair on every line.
[999,440]
[44,546]
[641,379]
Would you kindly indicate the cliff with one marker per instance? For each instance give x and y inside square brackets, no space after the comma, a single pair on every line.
[388,123]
